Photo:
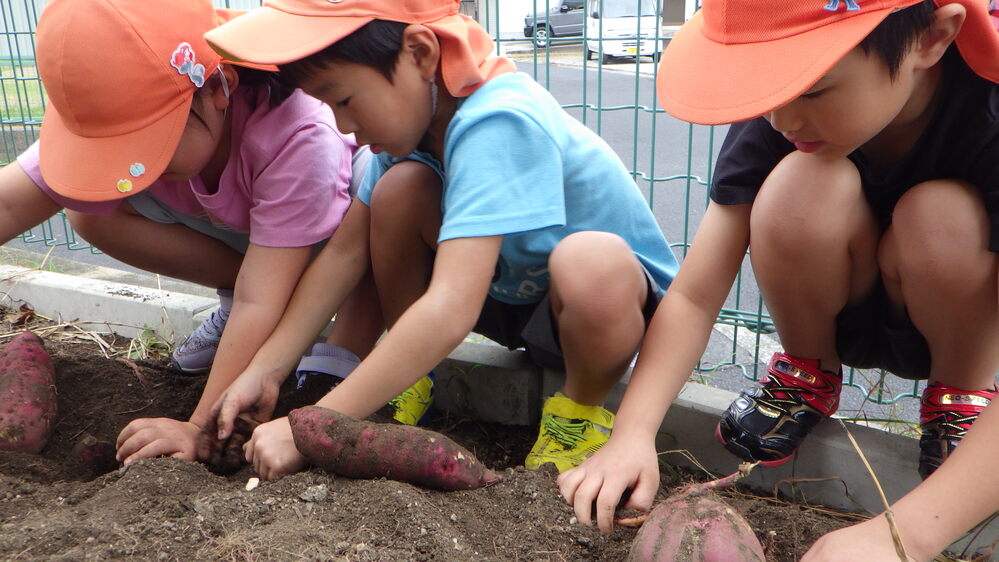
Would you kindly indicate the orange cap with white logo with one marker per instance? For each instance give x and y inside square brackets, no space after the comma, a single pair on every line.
[283,31]
[738,59]
[120,76]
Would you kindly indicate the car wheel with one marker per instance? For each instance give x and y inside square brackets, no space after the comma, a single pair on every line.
[656,56]
[606,59]
[541,36]
[590,54]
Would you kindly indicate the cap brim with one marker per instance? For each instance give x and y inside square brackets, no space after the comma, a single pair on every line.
[978,40]
[90,168]
[710,83]
[269,36]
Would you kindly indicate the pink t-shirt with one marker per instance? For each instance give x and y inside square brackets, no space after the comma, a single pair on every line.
[286,181]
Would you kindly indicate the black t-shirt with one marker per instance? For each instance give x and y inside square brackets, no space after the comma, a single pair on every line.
[960,142]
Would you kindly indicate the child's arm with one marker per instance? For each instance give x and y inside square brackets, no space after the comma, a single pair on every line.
[676,339]
[22,204]
[958,495]
[334,272]
[423,336]
[264,285]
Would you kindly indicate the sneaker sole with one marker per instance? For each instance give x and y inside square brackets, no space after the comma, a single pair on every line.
[742,452]
[192,372]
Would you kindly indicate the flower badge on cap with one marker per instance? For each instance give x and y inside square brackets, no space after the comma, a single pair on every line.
[124,186]
[183,60]
[833,5]
[136,169]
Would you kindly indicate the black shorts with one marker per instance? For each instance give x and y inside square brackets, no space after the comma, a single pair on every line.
[532,326]
[870,336]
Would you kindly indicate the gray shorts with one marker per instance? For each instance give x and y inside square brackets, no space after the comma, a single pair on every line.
[532,326]
[155,210]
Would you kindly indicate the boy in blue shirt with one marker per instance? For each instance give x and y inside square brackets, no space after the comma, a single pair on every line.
[863,175]
[487,208]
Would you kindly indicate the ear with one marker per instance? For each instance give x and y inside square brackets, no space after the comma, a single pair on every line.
[947,22]
[219,98]
[421,46]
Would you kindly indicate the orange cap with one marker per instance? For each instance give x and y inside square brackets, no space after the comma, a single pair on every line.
[738,59]
[283,31]
[120,76]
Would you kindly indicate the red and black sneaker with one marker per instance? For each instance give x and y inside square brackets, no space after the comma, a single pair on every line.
[945,415]
[768,425]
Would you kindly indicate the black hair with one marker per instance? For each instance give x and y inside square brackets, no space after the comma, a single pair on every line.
[279,88]
[897,33]
[376,44]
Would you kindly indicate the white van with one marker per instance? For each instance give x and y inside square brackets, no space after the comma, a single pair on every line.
[623,28]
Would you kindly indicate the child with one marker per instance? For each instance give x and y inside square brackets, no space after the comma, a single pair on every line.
[860,129]
[964,491]
[507,217]
[177,162]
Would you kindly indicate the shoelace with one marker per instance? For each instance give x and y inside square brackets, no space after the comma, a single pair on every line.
[567,433]
[783,405]
[955,426]
[406,396]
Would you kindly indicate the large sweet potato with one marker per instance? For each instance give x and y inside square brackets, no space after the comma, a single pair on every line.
[27,395]
[696,525]
[359,449]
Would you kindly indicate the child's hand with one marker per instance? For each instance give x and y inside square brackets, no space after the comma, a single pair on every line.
[251,396]
[870,540]
[603,478]
[157,437]
[272,450]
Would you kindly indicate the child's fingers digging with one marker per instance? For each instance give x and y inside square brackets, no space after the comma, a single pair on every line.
[569,481]
[644,492]
[607,503]
[585,498]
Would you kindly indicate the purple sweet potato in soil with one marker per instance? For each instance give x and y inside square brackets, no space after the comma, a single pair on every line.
[27,394]
[695,525]
[360,449]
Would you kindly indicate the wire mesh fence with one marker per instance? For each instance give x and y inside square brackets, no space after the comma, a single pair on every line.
[599,59]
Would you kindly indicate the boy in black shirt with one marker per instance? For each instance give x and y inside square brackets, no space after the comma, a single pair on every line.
[863,173]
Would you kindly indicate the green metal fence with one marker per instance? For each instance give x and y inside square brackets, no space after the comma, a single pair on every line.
[670,161]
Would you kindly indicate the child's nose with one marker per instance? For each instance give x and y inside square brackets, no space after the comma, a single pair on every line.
[785,119]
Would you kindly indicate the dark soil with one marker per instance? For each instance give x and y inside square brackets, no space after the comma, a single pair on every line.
[53,506]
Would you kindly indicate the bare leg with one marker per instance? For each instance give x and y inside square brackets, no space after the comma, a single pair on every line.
[173,250]
[937,266]
[597,293]
[359,321]
[405,220]
[813,250]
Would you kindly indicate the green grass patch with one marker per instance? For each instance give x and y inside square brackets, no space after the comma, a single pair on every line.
[23,99]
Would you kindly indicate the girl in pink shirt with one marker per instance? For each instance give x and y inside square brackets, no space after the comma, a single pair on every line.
[175,161]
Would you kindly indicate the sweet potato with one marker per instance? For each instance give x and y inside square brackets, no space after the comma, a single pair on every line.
[27,395]
[360,449]
[96,455]
[696,525]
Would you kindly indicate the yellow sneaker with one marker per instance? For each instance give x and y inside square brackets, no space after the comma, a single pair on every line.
[413,403]
[569,433]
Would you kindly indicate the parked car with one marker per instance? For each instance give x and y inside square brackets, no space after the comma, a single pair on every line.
[625,28]
[563,20]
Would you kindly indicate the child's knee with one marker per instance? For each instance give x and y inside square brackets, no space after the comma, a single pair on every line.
[406,192]
[585,264]
[807,201]
[939,226]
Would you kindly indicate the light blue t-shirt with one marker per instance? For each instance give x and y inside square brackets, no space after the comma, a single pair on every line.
[517,165]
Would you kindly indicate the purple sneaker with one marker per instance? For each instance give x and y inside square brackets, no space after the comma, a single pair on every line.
[194,356]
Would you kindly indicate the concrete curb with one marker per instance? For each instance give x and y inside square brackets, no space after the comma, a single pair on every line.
[496,385]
